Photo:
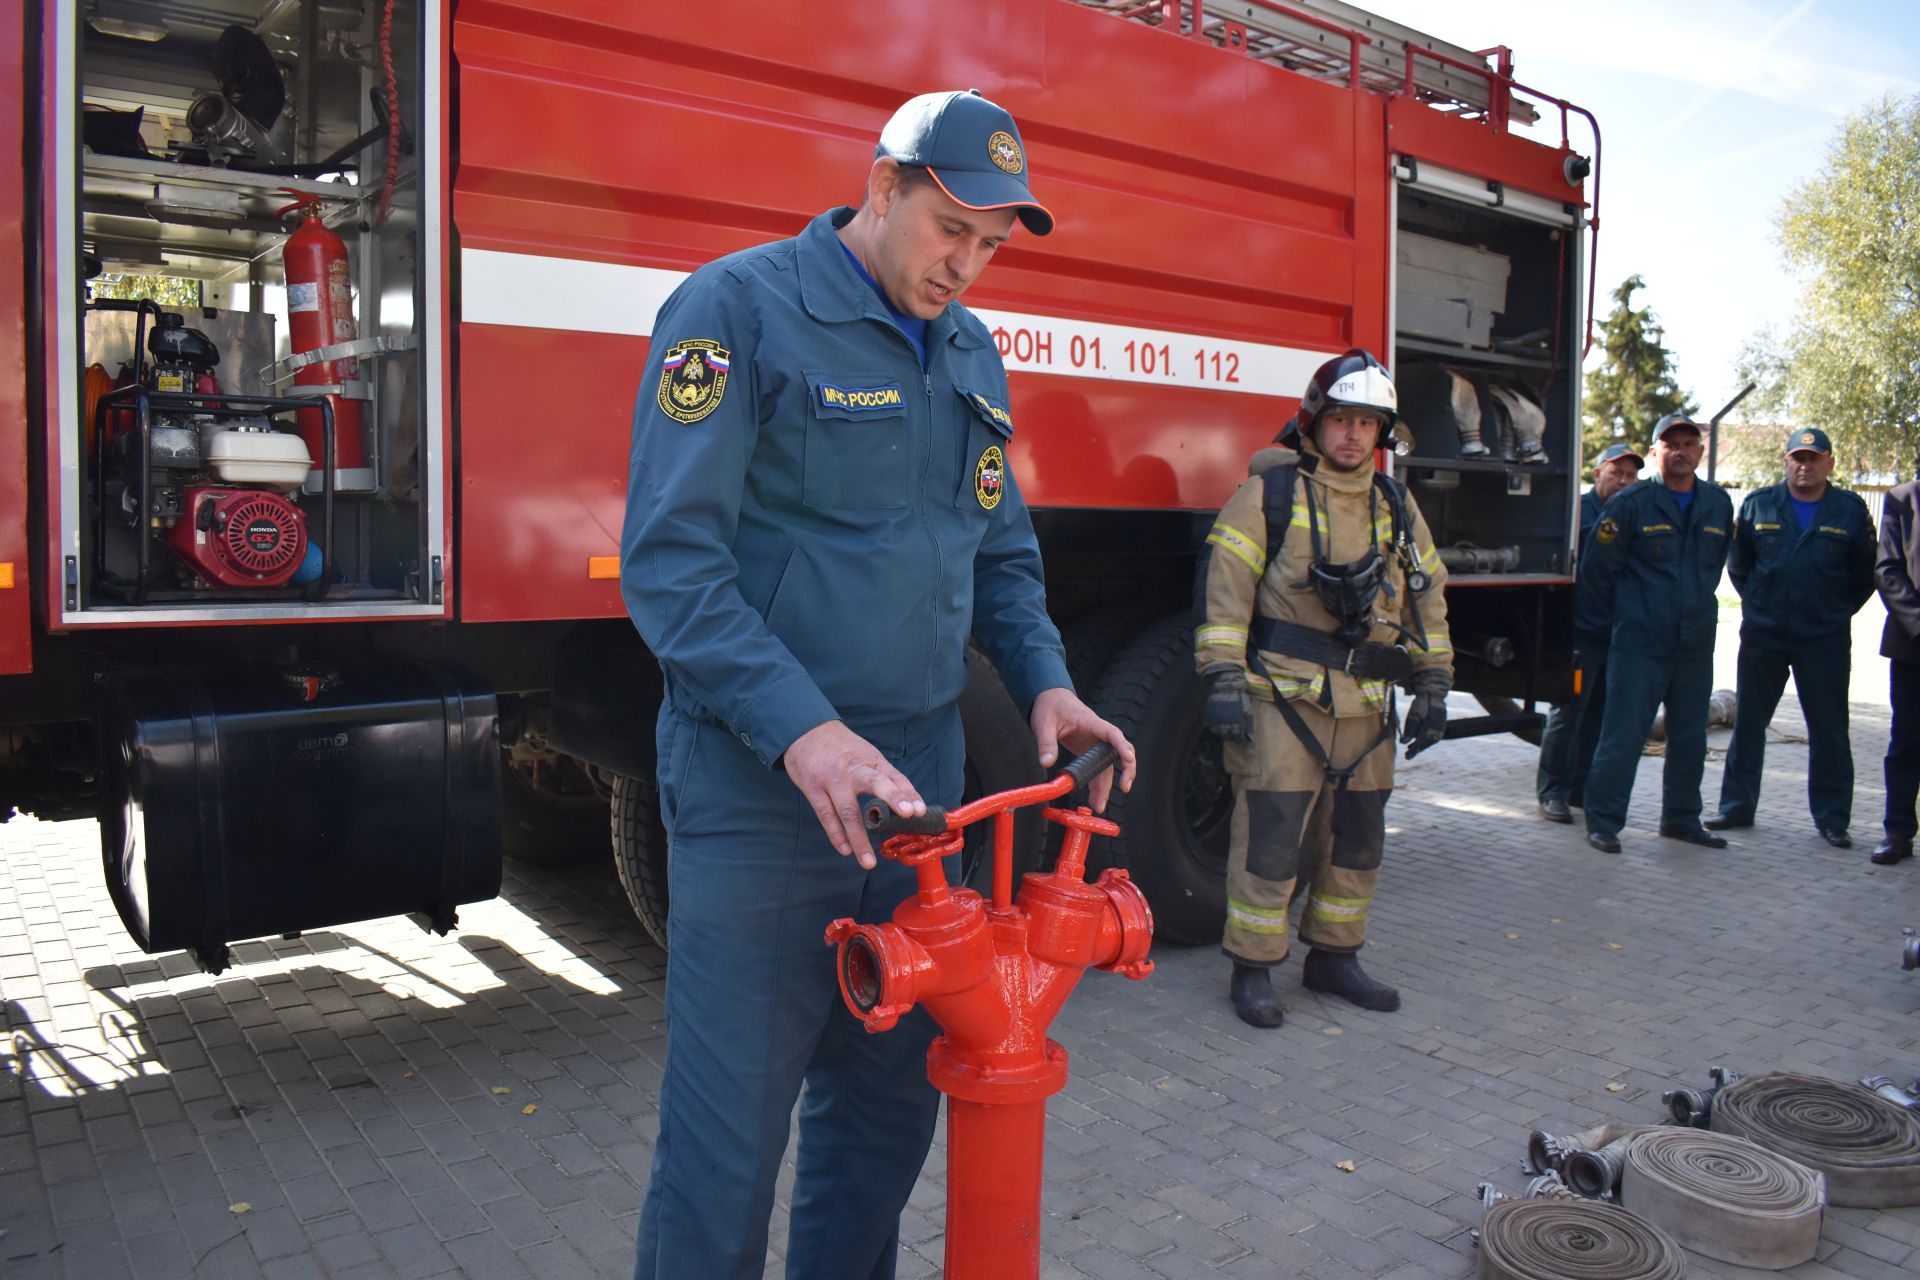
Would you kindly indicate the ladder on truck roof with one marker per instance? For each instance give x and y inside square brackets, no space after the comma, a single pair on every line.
[1317,38]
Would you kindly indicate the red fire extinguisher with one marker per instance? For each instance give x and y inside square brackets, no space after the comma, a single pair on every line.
[320,314]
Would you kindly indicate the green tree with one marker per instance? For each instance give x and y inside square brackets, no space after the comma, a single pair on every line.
[1850,361]
[1635,386]
[168,291]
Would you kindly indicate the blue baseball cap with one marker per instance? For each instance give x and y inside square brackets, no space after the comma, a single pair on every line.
[1674,422]
[1613,451]
[1809,439]
[973,149]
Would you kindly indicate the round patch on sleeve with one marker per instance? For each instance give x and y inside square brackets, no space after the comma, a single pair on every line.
[693,378]
[1607,530]
[990,477]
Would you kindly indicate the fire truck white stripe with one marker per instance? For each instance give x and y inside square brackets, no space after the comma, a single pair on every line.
[536,292]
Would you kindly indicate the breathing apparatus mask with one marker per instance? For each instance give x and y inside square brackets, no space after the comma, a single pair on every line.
[1348,592]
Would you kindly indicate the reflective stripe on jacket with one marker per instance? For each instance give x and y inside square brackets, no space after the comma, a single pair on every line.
[1239,581]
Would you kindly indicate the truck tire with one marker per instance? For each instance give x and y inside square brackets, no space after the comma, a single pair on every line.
[1174,823]
[552,815]
[1093,638]
[640,853]
[1000,757]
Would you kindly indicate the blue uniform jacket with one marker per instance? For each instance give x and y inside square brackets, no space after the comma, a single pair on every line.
[1655,571]
[1591,624]
[814,524]
[1798,588]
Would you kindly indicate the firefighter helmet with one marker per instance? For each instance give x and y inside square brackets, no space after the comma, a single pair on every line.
[1353,381]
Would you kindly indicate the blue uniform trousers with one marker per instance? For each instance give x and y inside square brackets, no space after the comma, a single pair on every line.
[754,1012]
[1820,674]
[1573,732]
[1637,684]
[1903,750]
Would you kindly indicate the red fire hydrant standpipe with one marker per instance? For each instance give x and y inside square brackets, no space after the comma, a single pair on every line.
[994,976]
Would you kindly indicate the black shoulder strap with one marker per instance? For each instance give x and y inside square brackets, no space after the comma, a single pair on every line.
[1396,502]
[1276,500]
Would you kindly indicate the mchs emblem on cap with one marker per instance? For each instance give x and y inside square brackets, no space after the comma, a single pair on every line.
[1807,437]
[1004,151]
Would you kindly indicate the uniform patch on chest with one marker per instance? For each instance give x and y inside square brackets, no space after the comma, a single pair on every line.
[885,398]
[991,412]
[693,378]
[990,477]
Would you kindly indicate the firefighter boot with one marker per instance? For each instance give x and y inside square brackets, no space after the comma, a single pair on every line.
[1253,1000]
[1338,973]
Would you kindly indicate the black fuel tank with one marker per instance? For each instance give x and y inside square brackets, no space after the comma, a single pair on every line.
[244,803]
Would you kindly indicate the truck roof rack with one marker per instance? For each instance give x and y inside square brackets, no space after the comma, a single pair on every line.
[1334,41]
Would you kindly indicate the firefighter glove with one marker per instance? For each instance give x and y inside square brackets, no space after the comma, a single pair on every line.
[1229,712]
[1426,721]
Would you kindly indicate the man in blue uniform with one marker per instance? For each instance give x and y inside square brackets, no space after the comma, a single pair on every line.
[1896,572]
[1802,561]
[1658,553]
[819,513]
[1573,729]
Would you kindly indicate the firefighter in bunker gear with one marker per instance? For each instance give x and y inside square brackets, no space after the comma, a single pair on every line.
[1321,589]
[819,513]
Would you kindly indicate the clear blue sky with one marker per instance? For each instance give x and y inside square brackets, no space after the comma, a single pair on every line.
[1711,112]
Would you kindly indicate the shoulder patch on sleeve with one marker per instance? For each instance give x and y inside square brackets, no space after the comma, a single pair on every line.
[1607,530]
[693,378]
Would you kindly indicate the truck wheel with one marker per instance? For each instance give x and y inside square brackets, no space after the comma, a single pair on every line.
[1174,823]
[551,814]
[1000,757]
[640,853]
[1093,638]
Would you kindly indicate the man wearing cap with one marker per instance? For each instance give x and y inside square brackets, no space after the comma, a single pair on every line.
[1573,729]
[820,511]
[1896,572]
[1656,561]
[1802,561]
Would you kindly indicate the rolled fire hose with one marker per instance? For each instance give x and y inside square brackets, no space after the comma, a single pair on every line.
[1555,1238]
[1868,1148]
[1529,424]
[1723,706]
[1466,416]
[1724,1196]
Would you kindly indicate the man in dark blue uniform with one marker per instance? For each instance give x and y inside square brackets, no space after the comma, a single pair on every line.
[1573,728]
[820,511]
[1897,573]
[1802,561]
[1658,553]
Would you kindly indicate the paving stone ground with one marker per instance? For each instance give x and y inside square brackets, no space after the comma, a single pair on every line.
[397,1105]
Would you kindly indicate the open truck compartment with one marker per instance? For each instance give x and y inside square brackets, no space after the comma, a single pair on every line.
[1487,321]
[269,441]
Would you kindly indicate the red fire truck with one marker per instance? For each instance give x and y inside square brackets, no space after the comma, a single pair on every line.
[309,592]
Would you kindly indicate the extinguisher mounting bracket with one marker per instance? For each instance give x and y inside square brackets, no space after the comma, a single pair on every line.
[358,349]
